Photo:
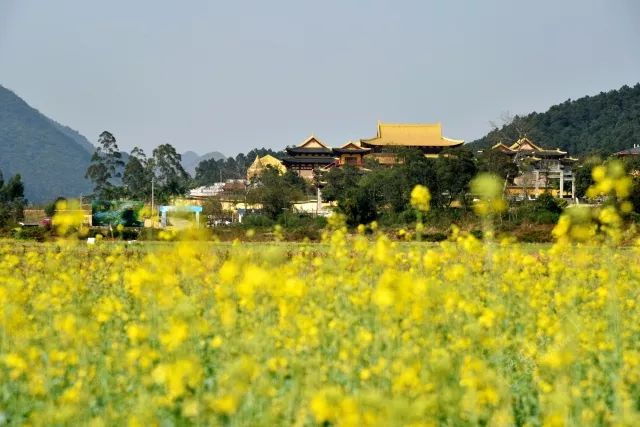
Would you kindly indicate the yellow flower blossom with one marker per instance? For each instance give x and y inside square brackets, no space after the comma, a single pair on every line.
[420,198]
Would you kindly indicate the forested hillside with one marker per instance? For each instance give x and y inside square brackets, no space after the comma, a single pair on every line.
[51,158]
[75,135]
[600,124]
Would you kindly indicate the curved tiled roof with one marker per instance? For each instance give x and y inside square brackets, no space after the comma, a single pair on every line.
[635,151]
[411,135]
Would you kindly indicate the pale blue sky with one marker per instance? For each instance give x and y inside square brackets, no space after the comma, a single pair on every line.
[234,75]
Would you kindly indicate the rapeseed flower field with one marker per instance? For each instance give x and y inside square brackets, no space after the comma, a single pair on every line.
[357,331]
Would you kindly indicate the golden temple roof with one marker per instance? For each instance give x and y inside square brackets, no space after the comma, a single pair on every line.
[312,142]
[352,145]
[411,135]
[261,163]
[525,144]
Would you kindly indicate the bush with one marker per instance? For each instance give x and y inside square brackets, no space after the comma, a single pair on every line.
[546,209]
[39,234]
[434,237]
[445,216]
[477,234]
[539,233]
[130,233]
[127,233]
[634,217]
[257,220]
[296,220]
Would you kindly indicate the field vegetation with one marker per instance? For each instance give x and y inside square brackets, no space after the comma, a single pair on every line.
[359,330]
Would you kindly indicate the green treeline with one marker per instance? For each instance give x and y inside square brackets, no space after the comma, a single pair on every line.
[383,193]
[212,170]
[161,173]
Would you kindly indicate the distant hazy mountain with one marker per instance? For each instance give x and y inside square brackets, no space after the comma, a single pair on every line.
[190,160]
[75,135]
[599,124]
[51,158]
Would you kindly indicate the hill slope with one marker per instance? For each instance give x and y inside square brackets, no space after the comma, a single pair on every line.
[75,135]
[191,159]
[600,124]
[51,158]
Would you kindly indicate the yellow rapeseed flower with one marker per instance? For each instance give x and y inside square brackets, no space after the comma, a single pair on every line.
[420,198]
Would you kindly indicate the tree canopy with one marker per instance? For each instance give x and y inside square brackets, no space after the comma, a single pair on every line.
[275,192]
[12,200]
[106,165]
[170,177]
[137,175]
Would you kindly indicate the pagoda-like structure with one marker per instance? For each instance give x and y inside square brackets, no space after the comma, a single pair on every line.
[540,169]
[310,155]
[260,164]
[351,154]
[424,137]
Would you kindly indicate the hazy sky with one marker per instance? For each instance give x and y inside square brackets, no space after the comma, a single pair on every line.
[230,76]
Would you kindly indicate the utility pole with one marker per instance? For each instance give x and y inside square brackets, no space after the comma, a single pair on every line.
[153,215]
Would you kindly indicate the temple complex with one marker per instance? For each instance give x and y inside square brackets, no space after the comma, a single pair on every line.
[311,154]
[541,170]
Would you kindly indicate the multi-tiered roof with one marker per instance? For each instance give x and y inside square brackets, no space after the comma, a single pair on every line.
[310,155]
[525,147]
[311,151]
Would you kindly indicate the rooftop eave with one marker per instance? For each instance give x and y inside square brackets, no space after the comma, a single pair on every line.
[301,150]
[352,150]
[453,141]
[444,143]
[500,145]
